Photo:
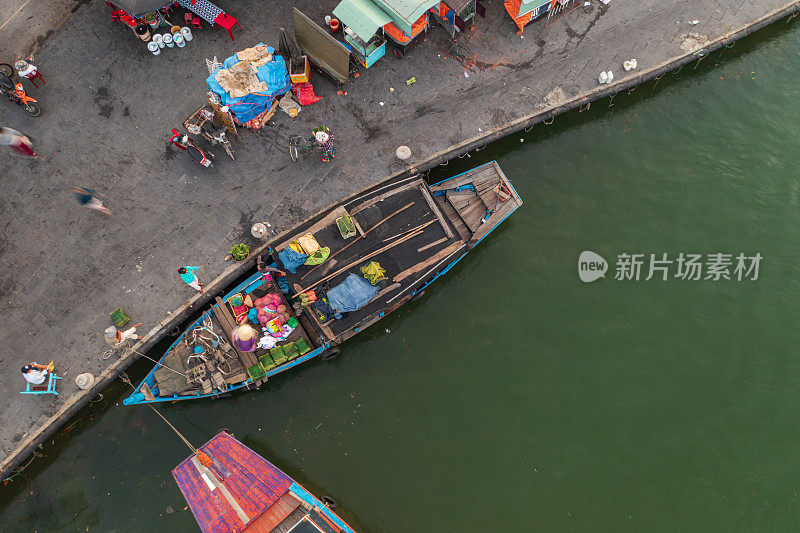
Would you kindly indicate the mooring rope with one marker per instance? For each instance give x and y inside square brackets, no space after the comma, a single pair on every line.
[124,377]
[189,444]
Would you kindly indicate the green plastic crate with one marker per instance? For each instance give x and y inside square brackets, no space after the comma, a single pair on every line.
[346,227]
[267,362]
[291,350]
[276,351]
[278,355]
[302,347]
[119,317]
[256,372]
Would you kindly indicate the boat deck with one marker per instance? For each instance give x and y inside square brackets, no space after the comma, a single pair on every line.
[388,220]
[478,200]
[229,487]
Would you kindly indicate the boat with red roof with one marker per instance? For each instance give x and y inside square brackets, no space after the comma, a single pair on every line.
[231,489]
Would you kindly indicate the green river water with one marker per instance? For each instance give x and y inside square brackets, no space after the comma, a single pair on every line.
[513,396]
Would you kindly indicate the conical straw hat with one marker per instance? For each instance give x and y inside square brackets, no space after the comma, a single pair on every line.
[245,332]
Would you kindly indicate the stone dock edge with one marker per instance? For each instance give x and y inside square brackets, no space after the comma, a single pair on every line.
[174,319]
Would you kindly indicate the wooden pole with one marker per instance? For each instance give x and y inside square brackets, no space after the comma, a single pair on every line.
[406,232]
[368,256]
[359,238]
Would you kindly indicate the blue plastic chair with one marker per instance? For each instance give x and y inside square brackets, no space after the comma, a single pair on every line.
[51,386]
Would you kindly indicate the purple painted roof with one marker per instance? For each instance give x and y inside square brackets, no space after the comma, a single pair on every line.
[253,483]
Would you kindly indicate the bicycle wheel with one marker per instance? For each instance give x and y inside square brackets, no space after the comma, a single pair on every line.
[293,152]
[6,69]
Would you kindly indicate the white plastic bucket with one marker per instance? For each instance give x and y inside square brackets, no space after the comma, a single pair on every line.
[187,34]
[178,38]
[159,40]
[168,40]
[153,47]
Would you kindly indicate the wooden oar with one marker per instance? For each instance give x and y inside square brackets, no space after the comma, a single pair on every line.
[359,238]
[361,259]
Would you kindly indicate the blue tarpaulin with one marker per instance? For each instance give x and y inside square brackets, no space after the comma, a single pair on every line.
[248,107]
[353,293]
[291,259]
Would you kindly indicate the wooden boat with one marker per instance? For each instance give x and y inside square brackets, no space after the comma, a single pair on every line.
[414,231]
[230,488]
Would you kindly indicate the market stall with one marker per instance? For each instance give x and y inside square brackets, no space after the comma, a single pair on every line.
[362,21]
[454,15]
[148,18]
[524,11]
[409,22]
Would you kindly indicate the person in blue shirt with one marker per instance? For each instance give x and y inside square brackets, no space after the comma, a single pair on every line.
[189,276]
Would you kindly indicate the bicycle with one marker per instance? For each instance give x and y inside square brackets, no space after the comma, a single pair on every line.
[298,142]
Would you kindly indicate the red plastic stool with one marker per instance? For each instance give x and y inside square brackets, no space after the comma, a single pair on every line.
[33,76]
[197,23]
[187,18]
[227,22]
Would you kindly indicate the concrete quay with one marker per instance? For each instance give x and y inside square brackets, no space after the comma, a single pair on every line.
[109,106]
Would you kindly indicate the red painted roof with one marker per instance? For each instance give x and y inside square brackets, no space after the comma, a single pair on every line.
[254,484]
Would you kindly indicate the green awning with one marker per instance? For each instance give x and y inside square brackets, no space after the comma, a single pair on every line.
[405,13]
[362,16]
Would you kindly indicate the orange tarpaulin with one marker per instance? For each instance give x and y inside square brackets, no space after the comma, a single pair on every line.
[395,33]
[513,8]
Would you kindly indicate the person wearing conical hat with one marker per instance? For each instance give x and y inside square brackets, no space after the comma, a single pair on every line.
[244,337]
[115,337]
[325,141]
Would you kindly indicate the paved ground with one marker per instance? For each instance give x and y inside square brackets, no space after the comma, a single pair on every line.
[109,106]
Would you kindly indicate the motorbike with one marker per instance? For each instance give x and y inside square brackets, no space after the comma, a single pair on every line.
[216,136]
[185,143]
[202,123]
[16,93]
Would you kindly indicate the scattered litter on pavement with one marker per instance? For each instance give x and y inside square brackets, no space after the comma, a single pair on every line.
[411,80]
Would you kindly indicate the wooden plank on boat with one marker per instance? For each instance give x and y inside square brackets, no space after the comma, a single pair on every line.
[236,378]
[494,220]
[387,194]
[275,514]
[289,522]
[428,262]
[431,245]
[489,198]
[435,208]
[387,290]
[452,215]
[507,183]
[327,220]
[477,176]
[461,200]
[358,227]
[472,215]
[148,394]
